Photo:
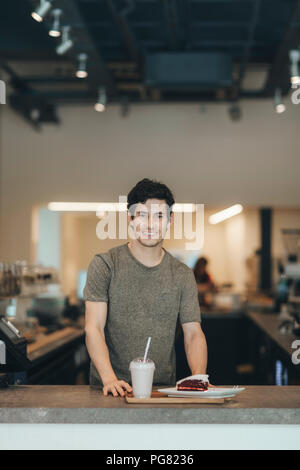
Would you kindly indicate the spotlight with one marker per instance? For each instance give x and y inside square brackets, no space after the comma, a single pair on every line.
[55,30]
[35,114]
[66,42]
[235,112]
[100,105]
[279,106]
[81,71]
[124,102]
[42,10]
[294,55]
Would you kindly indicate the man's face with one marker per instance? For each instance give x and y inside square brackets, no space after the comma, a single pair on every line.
[150,222]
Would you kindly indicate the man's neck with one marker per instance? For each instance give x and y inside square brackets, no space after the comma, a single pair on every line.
[148,255]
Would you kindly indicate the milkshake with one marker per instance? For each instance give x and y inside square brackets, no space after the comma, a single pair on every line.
[142,377]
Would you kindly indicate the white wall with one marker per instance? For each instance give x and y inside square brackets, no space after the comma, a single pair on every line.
[49,238]
[1,108]
[203,157]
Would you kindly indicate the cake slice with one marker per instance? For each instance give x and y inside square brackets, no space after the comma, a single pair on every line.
[193,385]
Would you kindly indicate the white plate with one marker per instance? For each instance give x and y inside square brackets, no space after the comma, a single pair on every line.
[210,393]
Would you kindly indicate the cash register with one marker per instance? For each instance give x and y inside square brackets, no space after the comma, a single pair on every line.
[13,356]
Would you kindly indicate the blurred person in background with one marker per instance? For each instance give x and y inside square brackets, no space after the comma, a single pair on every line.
[204,282]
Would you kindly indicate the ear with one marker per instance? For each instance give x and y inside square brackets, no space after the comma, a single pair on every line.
[171,221]
[130,220]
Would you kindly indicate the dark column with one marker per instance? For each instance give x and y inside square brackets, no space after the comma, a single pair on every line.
[265,251]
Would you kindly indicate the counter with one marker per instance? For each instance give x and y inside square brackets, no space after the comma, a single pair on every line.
[85,404]
[269,323]
[52,342]
[57,358]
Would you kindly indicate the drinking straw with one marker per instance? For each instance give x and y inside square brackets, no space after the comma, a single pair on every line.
[147,348]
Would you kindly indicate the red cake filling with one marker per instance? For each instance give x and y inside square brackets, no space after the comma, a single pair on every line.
[193,384]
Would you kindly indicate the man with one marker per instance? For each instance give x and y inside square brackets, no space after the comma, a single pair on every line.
[138,290]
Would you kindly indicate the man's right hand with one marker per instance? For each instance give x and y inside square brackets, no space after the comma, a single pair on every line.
[95,320]
[116,387]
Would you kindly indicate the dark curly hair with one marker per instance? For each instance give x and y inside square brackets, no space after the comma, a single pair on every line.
[149,189]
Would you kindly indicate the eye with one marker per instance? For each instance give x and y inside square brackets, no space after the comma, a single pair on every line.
[142,214]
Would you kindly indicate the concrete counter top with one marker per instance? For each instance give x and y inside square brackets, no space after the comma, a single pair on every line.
[269,323]
[85,404]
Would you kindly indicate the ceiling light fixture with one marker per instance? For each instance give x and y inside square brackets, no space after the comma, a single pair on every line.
[294,55]
[55,30]
[279,106]
[81,71]
[66,42]
[225,214]
[39,13]
[101,103]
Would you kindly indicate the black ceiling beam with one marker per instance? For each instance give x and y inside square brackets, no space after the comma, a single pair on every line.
[230,43]
[20,54]
[34,108]
[249,43]
[98,74]
[171,15]
[82,96]
[157,24]
[219,24]
[109,24]
[191,1]
[120,19]
[16,82]
[215,1]
[40,80]
[196,43]
[279,75]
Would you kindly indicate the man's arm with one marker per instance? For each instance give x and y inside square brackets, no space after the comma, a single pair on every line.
[195,347]
[95,319]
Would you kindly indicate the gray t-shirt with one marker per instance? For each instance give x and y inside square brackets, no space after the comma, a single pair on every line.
[141,301]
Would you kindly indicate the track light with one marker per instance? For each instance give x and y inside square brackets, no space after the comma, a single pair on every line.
[100,105]
[66,42]
[35,114]
[124,102]
[279,106]
[55,30]
[81,71]
[235,112]
[42,10]
[294,58]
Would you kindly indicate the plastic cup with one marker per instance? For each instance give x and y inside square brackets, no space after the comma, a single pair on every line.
[142,377]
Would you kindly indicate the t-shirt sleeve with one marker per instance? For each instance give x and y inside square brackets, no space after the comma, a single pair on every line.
[97,281]
[189,302]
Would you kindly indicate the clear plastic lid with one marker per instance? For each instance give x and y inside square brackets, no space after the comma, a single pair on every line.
[141,364]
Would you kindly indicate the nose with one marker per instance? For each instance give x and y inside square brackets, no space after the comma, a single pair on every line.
[151,221]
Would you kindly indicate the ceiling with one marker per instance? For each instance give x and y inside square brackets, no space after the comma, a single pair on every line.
[119,35]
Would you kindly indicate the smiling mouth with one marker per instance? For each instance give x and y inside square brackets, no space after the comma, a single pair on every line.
[147,234]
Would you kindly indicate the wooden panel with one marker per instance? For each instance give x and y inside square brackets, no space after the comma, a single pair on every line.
[158,397]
